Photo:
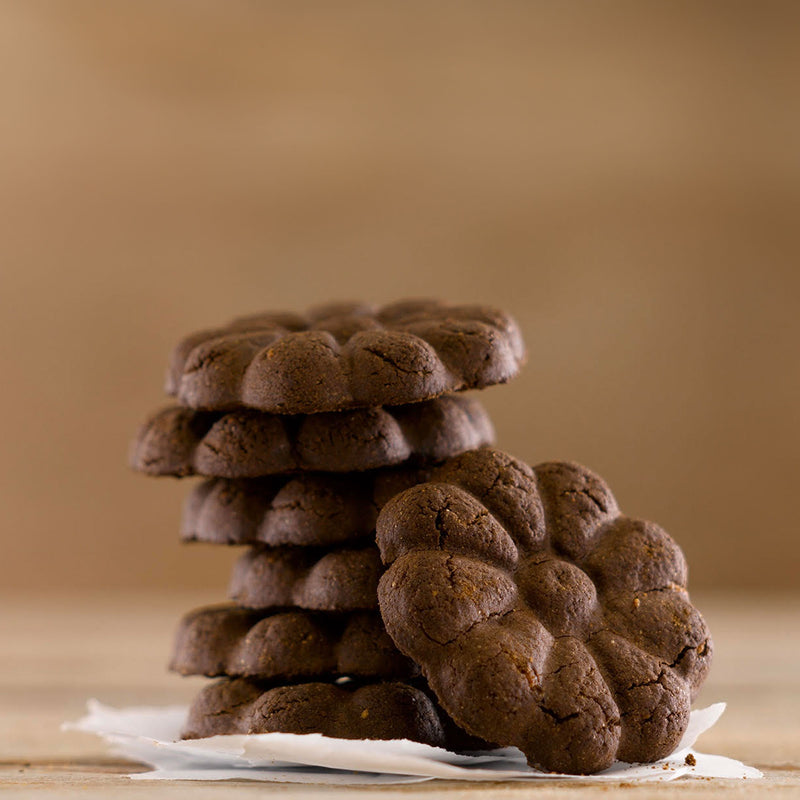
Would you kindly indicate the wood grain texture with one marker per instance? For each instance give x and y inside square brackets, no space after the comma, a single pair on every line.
[58,651]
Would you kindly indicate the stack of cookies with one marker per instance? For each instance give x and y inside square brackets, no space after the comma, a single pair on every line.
[301,427]
[403,577]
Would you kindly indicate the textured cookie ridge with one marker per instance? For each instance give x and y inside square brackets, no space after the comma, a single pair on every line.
[391,710]
[290,645]
[345,355]
[308,578]
[245,443]
[540,615]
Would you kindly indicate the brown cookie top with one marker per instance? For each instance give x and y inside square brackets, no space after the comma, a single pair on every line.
[232,641]
[349,710]
[248,444]
[319,580]
[345,355]
[541,616]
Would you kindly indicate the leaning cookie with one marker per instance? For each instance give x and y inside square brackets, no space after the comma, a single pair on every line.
[349,711]
[336,580]
[541,616]
[346,355]
[289,645]
[249,444]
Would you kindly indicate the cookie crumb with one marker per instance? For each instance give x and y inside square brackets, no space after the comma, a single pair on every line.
[691,760]
[365,714]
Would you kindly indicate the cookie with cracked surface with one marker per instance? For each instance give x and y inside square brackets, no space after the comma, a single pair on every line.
[245,443]
[309,578]
[345,355]
[289,645]
[540,615]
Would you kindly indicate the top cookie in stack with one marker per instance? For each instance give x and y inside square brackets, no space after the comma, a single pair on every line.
[269,405]
[346,355]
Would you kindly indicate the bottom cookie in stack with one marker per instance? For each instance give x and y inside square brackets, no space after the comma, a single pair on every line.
[353,710]
[303,672]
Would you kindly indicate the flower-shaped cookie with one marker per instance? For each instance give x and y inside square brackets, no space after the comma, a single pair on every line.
[290,644]
[346,355]
[250,444]
[345,579]
[373,710]
[308,509]
[541,616]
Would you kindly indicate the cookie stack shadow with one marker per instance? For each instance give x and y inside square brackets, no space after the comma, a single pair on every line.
[298,430]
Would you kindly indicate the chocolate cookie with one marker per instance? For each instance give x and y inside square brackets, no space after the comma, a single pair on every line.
[248,444]
[542,617]
[232,641]
[349,711]
[316,510]
[345,355]
[277,577]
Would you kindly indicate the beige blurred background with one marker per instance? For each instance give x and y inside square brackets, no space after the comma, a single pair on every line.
[623,177]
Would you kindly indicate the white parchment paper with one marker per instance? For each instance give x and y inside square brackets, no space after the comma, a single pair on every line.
[151,735]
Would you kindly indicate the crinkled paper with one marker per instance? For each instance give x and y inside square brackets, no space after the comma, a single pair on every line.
[151,735]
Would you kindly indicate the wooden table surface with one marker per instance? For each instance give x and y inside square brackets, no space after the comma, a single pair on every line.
[58,651]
